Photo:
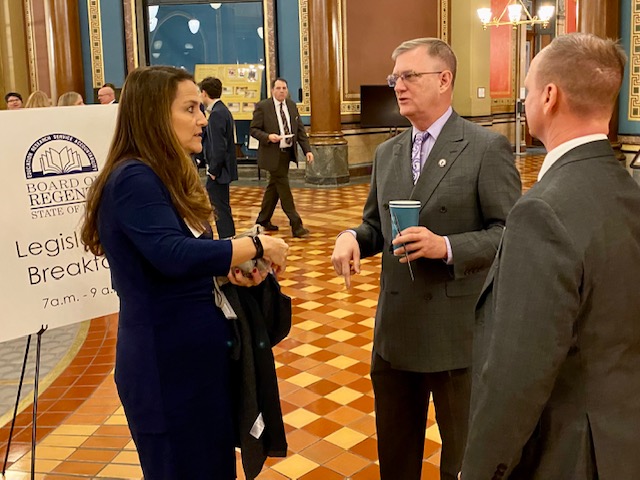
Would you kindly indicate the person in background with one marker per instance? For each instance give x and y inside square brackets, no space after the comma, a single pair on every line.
[107,94]
[557,344]
[219,150]
[465,178]
[277,125]
[13,100]
[38,99]
[148,212]
[69,99]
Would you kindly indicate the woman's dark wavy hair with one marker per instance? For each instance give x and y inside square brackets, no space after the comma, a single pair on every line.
[144,131]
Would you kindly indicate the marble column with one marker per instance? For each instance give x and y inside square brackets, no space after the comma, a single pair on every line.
[65,47]
[331,166]
[602,18]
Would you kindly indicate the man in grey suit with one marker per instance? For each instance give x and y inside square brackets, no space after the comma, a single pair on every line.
[423,332]
[556,376]
[277,125]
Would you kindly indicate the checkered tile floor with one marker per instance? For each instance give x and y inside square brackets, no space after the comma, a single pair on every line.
[323,367]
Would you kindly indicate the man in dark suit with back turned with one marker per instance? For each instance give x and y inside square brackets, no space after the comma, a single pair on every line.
[556,367]
[466,181]
[278,127]
[219,149]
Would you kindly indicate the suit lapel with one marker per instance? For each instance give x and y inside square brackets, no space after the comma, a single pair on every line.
[402,165]
[293,123]
[443,155]
[274,116]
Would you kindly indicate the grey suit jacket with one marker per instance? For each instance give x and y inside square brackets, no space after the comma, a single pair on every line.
[426,325]
[557,350]
[265,122]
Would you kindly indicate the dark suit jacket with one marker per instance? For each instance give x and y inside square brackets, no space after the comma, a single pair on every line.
[557,349]
[219,146]
[426,325]
[265,122]
[264,319]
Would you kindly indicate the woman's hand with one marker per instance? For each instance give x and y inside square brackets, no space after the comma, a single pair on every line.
[238,277]
[275,252]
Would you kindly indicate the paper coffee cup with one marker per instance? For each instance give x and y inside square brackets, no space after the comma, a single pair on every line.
[404,214]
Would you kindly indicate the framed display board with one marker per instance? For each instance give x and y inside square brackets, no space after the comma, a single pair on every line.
[241,86]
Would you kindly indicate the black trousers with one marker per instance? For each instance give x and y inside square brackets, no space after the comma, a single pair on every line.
[402,402]
[219,197]
[279,189]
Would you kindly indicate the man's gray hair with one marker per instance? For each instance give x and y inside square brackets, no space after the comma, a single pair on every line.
[435,48]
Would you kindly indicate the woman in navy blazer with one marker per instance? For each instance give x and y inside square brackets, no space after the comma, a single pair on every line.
[149,214]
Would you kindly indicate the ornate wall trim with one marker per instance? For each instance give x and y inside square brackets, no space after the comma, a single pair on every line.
[305,77]
[31,45]
[269,41]
[95,40]
[634,63]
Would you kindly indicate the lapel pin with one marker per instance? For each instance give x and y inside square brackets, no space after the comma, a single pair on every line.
[442,163]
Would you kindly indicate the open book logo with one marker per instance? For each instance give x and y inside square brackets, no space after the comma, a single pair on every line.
[53,162]
[59,154]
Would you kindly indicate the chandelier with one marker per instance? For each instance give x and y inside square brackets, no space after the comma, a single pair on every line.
[515,13]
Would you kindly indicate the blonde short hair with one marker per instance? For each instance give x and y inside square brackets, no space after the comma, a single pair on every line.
[586,68]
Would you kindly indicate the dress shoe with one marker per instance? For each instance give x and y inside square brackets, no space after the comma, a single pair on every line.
[269,227]
[300,232]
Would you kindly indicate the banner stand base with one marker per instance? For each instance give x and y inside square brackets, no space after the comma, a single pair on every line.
[36,379]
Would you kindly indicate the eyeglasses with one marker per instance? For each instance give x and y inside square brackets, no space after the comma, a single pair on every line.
[407,77]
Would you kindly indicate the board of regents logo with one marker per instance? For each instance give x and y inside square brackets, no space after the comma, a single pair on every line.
[51,167]
[58,154]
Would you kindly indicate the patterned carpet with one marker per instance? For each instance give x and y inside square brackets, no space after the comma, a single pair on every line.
[323,367]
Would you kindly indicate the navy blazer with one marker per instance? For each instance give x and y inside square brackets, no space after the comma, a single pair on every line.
[218,144]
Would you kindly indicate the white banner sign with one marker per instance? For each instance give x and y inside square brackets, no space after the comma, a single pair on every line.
[50,158]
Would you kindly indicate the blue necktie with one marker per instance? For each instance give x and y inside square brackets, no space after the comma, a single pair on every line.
[416,153]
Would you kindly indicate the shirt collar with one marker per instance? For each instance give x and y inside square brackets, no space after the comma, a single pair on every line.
[554,155]
[437,126]
[210,107]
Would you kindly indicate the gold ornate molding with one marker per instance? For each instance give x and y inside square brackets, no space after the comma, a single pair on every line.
[95,41]
[634,62]
[269,41]
[31,45]
[305,79]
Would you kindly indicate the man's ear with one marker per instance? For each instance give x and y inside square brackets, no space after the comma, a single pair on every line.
[550,99]
[446,78]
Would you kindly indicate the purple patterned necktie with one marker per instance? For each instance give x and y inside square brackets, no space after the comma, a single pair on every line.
[416,153]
